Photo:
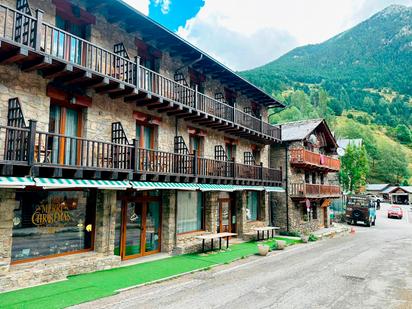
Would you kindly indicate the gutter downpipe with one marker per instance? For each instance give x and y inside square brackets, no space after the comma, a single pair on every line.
[287,184]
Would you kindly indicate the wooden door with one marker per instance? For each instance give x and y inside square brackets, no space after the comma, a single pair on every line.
[224,216]
[138,227]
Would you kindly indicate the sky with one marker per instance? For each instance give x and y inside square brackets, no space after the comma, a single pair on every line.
[244,34]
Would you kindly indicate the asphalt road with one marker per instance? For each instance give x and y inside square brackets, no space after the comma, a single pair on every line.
[371,268]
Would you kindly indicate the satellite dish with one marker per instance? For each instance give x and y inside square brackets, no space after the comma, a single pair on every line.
[340,151]
[313,139]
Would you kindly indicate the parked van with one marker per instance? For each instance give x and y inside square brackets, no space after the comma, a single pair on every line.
[360,208]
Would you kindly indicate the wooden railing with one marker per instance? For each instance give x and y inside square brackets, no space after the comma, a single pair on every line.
[50,40]
[316,190]
[32,147]
[303,156]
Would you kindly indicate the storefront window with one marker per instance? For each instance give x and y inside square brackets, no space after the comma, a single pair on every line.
[252,206]
[189,211]
[50,223]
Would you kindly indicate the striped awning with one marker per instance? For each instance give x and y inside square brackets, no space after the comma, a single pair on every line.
[55,183]
[16,182]
[274,189]
[249,188]
[215,187]
[143,185]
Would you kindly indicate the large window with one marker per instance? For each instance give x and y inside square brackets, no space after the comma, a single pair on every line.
[252,210]
[48,223]
[190,212]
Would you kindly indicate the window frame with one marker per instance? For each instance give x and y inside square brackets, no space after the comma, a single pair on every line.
[93,203]
[203,220]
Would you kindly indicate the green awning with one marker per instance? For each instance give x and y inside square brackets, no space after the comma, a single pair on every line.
[249,188]
[57,183]
[274,189]
[16,182]
[146,185]
[215,187]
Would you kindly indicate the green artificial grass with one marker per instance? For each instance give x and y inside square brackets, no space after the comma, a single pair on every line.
[87,287]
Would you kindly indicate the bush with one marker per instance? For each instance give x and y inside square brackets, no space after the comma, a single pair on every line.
[312,237]
[290,233]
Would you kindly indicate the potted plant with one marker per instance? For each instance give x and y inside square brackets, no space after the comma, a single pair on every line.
[263,249]
[280,244]
[305,236]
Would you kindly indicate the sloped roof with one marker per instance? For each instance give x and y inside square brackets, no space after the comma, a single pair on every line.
[390,189]
[376,186]
[344,142]
[299,130]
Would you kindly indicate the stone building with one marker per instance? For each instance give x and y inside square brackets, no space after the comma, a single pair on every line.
[310,168]
[118,139]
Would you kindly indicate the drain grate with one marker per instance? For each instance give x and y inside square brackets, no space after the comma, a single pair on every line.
[354,278]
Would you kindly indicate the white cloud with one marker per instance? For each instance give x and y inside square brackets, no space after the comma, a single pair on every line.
[164,5]
[244,34]
[141,5]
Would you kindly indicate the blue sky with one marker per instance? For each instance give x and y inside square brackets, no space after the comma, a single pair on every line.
[174,13]
[244,34]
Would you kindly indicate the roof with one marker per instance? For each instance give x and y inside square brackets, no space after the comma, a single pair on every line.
[343,143]
[130,18]
[299,130]
[390,189]
[376,186]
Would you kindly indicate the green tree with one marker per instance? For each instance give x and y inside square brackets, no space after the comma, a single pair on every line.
[392,166]
[354,168]
[403,134]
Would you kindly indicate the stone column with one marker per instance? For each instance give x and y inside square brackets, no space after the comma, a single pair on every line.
[168,220]
[240,203]
[211,211]
[264,208]
[7,205]
[105,221]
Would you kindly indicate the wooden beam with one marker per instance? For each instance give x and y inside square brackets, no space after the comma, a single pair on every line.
[14,55]
[58,70]
[114,87]
[125,92]
[36,64]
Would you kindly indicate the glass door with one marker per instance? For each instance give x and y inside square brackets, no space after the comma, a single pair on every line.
[133,227]
[138,227]
[224,223]
[64,121]
[152,227]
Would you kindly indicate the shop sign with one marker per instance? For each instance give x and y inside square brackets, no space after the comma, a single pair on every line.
[53,214]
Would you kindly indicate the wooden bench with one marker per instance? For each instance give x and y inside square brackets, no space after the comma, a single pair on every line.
[265,229]
[215,236]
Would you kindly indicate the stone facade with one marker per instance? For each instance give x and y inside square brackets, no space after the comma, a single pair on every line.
[290,214]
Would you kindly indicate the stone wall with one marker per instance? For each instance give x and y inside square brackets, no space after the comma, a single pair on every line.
[7,206]
[292,216]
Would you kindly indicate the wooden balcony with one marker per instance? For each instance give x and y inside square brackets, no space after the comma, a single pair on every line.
[27,151]
[303,158]
[70,61]
[313,191]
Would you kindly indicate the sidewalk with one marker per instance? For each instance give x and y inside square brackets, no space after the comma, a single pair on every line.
[335,229]
[87,287]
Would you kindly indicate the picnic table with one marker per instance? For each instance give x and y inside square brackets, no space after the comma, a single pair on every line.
[265,229]
[214,236]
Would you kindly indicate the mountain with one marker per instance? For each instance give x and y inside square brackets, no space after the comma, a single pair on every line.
[364,74]
[373,59]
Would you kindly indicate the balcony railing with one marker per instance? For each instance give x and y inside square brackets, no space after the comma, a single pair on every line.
[313,190]
[32,147]
[305,157]
[46,39]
